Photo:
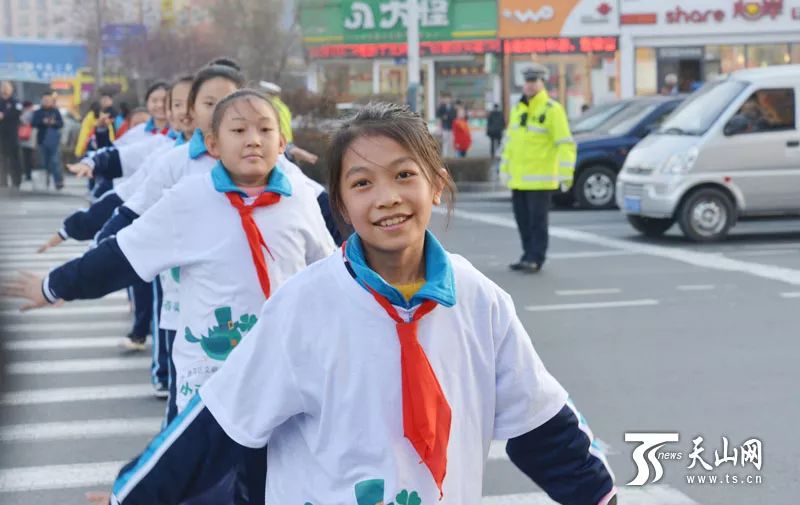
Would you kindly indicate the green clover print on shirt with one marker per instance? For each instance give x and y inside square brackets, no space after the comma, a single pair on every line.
[370,492]
[225,336]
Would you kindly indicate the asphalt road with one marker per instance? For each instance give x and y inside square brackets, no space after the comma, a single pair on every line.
[648,336]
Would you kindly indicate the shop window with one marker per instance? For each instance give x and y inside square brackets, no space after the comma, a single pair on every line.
[346,82]
[646,74]
[795,53]
[722,60]
[765,110]
[767,54]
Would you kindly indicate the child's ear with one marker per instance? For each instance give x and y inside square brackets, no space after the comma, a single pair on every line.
[438,186]
[211,145]
[282,146]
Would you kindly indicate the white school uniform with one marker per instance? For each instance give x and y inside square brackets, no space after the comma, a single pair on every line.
[133,135]
[195,227]
[319,381]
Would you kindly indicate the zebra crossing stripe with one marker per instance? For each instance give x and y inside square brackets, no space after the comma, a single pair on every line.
[652,495]
[74,394]
[120,327]
[89,310]
[77,430]
[38,478]
[53,344]
[48,367]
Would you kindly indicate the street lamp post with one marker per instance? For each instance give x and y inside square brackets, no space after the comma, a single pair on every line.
[412,28]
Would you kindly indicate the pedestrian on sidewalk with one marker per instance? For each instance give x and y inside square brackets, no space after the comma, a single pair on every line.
[27,140]
[538,158]
[495,124]
[48,122]
[413,362]
[10,167]
[446,114]
[462,137]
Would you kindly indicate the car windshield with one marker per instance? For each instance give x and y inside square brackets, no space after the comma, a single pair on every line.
[597,115]
[622,123]
[696,115]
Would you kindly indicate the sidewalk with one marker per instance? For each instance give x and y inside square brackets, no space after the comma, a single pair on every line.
[72,186]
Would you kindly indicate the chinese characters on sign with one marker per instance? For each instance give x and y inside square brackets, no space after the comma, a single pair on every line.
[396,50]
[748,452]
[562,45]
[393,14]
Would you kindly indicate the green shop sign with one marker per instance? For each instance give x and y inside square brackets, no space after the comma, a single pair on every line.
[378,21]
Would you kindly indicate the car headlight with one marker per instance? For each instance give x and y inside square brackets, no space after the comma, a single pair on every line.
[680,163]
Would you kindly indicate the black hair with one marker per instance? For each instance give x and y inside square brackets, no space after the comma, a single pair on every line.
[28,103]
[212,72]
[225,62]
[124,109]
[136,110]
[242,94]
[396,122]
[155,87]
[183,79]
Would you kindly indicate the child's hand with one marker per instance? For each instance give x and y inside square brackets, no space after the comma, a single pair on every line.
[81,169]
[303,155]
[29,287]
[52,242]
[98,497]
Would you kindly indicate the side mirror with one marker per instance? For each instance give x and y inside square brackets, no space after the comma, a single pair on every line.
[737,124]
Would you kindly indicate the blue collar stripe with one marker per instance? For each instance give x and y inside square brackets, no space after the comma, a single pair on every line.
[150,125]
[439,284]
[277,182]
[197,145]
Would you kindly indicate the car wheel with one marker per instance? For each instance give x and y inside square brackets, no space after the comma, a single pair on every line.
[595,187]
[706,215]
[650,226]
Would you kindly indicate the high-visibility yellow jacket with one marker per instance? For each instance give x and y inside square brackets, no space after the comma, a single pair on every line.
[87,130]
[539,152]
[285,118]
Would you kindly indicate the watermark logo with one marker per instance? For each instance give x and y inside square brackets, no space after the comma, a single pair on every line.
[650,454]
[650,444]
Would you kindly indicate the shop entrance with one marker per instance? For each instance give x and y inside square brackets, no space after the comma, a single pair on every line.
[684,62]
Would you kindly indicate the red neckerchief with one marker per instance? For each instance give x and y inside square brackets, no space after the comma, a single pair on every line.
[254,238]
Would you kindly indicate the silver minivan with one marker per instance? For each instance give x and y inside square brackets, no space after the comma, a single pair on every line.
[731,150]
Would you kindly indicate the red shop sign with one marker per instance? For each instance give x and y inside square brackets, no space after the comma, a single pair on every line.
[399,49]
[561,45]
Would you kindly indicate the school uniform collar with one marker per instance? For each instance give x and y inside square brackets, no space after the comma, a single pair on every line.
[173,134]
[197,145]
[179,140]
[276,183]
[440,285]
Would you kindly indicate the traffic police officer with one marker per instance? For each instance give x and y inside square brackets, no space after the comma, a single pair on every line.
[538,158]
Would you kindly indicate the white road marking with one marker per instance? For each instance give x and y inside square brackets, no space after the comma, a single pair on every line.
[792,294]
[121,327]
[76,430]
[699,259]
[88,393]
[649,495]
[64,310]
[588,254]
[47,367]
[592,305]
[53,344]
[38,478]
[764,252]
[695,287]
[587,292]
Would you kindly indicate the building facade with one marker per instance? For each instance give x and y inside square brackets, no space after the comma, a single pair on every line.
[698,39]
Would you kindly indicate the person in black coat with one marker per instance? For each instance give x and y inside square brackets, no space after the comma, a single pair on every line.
[48,123]
[495,124]
[9,137]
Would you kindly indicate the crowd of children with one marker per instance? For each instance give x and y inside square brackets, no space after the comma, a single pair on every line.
[300,372]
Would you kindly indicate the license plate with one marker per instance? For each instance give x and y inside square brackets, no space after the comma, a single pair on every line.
[633,204]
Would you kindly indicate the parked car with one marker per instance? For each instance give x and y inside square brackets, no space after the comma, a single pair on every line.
[602,149]
[731,151]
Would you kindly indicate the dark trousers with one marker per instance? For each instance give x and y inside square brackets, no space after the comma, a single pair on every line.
[50,157]
[160,367]
[143,308]
[531,211]
[28,161]
[495,143]
[10,167]
[172,405]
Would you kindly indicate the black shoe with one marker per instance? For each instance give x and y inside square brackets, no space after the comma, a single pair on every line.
[133,343]
[160,391]
[525,266]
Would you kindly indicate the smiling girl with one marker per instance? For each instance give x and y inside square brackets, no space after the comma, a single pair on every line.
[390,353]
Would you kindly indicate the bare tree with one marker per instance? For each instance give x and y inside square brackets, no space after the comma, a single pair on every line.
[260,33]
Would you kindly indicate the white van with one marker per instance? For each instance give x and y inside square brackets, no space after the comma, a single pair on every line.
[731,150]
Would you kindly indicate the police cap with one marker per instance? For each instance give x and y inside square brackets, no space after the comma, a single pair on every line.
[536,71]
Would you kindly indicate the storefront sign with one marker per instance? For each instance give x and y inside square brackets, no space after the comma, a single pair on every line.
[557,18]
[562,45]
[753,11]
[398,50]
[679,15]
[382,21]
